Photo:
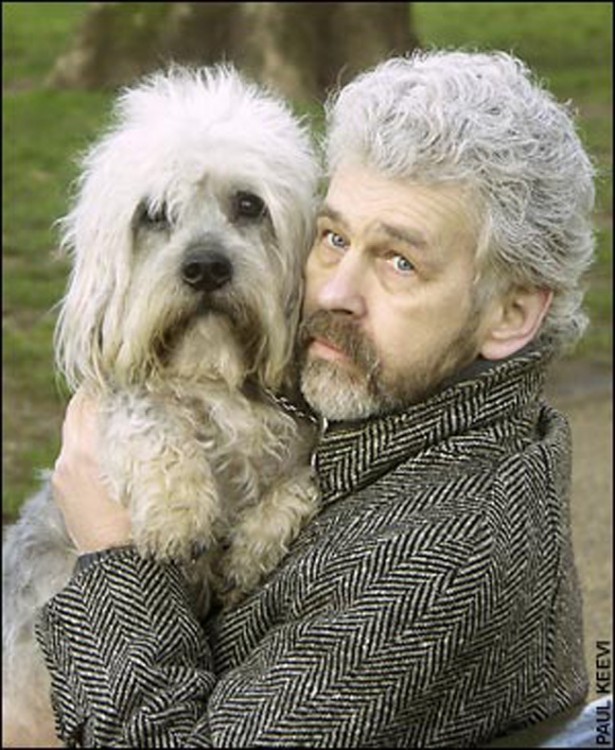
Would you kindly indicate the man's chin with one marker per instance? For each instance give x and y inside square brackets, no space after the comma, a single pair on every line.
[336,393]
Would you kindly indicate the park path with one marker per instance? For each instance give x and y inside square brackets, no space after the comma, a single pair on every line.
[584,393]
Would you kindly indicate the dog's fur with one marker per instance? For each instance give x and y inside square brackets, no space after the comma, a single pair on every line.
[188,237]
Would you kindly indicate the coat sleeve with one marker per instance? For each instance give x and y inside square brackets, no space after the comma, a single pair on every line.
[373,656]
[129,663]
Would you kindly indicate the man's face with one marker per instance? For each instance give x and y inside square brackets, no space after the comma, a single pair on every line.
[388,311]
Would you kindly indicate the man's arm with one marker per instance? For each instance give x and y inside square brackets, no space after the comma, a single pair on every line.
[400,634]
[370,660]
[123,647]
[129,662]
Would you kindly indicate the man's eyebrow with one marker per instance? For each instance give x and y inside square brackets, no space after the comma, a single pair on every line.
[326,212]
[407,236]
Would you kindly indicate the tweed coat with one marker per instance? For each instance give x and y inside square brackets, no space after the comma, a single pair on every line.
[433,602]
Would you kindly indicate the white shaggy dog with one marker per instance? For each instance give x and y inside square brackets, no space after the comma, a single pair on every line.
[189,233]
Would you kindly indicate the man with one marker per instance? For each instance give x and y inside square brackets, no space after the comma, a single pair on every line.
[433,602]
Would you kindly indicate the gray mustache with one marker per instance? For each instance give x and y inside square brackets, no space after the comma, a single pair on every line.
[343,334]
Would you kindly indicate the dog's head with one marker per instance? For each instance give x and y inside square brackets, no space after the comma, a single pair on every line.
[197,206]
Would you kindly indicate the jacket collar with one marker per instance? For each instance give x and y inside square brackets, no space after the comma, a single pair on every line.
[496,395]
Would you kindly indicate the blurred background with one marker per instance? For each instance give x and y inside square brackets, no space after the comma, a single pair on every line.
[64,61]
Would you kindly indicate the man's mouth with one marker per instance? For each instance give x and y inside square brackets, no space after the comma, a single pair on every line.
[324,349]
[329,337]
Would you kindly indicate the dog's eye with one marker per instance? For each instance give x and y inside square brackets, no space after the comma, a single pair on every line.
[248,206]
[154,219]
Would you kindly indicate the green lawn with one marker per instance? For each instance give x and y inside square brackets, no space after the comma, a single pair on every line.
[569,44]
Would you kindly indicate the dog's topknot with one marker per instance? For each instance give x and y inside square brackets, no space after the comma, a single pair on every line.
[219,101]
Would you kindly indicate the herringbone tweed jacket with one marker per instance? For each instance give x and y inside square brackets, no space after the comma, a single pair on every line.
[432,603]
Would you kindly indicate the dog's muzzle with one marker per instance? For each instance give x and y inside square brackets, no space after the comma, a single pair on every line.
[205,269]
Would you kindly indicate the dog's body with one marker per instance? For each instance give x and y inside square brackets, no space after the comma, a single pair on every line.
[188,236]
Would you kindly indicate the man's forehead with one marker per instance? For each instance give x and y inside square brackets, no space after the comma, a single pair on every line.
[398,207]
[327,211]
[351,181]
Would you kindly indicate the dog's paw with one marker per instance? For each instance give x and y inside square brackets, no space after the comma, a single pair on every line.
[179,536]
[174,514]
[166,547]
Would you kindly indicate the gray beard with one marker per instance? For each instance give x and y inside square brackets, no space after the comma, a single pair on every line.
[365,390]
[335,394]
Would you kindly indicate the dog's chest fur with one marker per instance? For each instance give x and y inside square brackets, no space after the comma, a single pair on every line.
[247,443]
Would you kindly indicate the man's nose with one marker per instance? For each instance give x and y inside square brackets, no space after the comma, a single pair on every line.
[344,287]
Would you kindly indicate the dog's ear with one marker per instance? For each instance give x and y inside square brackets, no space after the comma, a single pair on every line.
[290,197]
[98,241]
[293,229]
[280,345]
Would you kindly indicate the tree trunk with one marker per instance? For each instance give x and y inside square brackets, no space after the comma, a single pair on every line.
[119,41]
[301,49]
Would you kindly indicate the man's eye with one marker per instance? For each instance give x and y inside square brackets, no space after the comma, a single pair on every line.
[401,264]
[248,206]
[334,240]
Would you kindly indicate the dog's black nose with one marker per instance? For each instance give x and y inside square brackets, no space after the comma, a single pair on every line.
[206,270]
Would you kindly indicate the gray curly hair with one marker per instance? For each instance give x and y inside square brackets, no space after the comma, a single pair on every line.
[479,119]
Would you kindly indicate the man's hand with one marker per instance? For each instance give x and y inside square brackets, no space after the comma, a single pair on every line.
[94,521]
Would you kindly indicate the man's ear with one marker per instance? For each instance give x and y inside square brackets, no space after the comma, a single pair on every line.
[514,321]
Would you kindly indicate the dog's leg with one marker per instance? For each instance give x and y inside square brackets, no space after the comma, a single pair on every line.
[27,716]
[175,507]
[37,561]
[160,471]
[265,531]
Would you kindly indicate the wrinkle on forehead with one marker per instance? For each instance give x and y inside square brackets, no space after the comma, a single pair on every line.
[434,217]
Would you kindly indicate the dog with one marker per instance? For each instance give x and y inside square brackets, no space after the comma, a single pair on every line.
[192,220]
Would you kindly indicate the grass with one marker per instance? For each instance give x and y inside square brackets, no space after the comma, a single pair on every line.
[43,130]
[569,44]
[34,34]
